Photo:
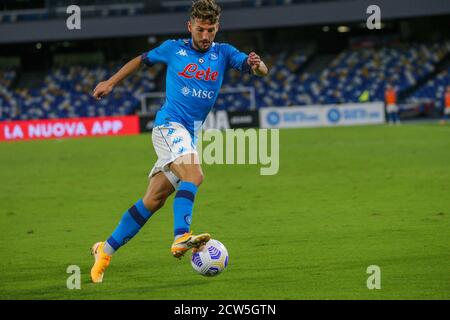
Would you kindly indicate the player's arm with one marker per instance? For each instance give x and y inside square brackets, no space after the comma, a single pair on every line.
[105,87]
[257,65]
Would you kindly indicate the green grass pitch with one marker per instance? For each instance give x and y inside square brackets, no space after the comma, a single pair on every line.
[344,199]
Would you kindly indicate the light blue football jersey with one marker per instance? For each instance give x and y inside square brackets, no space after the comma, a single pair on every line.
[193,78]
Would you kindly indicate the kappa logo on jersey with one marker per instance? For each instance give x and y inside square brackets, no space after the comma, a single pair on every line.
[191,71]
[182,52]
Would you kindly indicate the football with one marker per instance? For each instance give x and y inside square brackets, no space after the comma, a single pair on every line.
[211,259]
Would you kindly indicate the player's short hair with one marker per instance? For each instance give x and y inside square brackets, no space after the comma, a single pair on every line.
[205,10]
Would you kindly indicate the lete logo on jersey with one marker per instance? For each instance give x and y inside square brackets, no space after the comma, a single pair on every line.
[191,71]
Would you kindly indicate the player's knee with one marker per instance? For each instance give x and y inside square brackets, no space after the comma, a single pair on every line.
[196,178]
[193,175]
[154,202]
[200,178]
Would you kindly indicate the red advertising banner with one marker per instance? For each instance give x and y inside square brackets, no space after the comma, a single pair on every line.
[68,128]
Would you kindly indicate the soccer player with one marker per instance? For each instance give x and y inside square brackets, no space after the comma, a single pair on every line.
[390,96]
[195,70]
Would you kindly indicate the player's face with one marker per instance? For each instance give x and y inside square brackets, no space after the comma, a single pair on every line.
[203,33]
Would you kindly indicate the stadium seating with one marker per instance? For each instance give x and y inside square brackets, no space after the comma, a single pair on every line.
[8,105]
[66,91]
[350,74]
[433,90]
[273,90]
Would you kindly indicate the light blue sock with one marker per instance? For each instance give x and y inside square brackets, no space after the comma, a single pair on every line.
[182,207]
[132,221]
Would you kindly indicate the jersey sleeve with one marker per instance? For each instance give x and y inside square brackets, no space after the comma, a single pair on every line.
[160,54]
[236,59]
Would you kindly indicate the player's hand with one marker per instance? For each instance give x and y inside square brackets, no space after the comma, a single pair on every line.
[102,90]
[253,60]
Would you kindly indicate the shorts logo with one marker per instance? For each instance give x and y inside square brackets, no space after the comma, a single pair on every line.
[188,219]
[170,132]
[177,140]
[181,150]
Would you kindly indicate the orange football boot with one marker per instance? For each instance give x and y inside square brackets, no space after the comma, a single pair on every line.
[102,261]
[188,241]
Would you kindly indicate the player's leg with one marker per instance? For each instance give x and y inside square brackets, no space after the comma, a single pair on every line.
[159,189]
[391,118]
[188,169]
[132,221]
[134,218]
[391,110]
[395,114]
[177,157]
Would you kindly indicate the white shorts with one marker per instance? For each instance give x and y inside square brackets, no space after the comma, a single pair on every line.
[391,108]
[171,141]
